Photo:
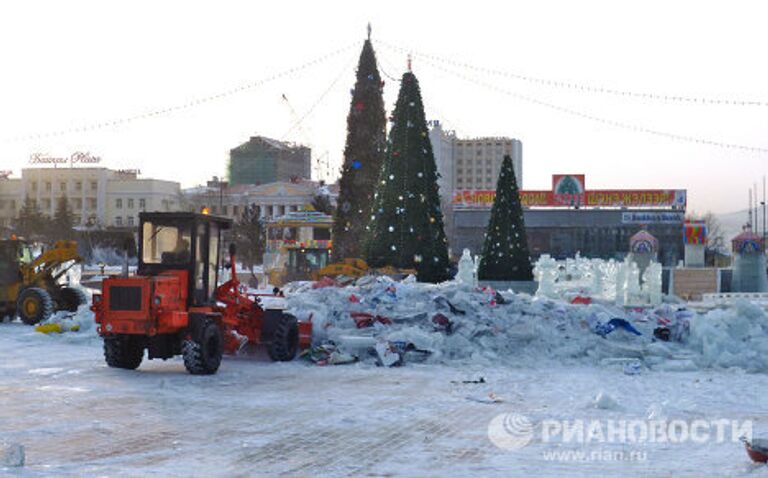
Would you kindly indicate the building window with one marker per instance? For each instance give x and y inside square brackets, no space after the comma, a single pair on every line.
[94,185]
[75,220]
[142,204]
[13,204]
[235,210]
[48,186]
[130,220]
[78,185]
[34,186]
[46,204]
[119,221]
[214,210]
[62,186]
[119,203]
[78,203]
[91,203]
[130,203]
[225,210]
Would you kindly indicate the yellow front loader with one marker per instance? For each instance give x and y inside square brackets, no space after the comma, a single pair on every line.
[356,268]
[29,286]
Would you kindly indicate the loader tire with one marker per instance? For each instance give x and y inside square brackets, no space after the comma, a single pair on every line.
[202,354]
[71,299]
[123,351]
[285,341]
[34,305]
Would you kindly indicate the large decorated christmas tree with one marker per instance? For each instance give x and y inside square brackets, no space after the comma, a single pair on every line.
[406,227]
[505,252]
[363,156]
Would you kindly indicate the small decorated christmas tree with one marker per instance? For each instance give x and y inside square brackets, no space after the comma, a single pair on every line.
[406,227]
[505,252]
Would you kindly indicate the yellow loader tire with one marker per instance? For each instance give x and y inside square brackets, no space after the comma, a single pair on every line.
[34,305]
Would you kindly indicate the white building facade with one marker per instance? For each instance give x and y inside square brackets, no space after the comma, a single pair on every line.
[472,164]
[97,197]
[270,200]
[478,162]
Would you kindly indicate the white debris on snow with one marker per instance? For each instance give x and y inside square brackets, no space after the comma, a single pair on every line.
[604,401]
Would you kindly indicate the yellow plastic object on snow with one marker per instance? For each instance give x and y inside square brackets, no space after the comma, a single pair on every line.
[56,328]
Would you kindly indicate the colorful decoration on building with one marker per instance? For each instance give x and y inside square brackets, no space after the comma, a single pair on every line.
[695,232]
[643,243]
[748,243]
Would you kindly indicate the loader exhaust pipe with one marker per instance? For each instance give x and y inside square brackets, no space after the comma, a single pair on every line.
[232,252]
[126,245]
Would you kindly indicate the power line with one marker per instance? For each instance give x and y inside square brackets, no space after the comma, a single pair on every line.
[189,104]
[618,124]
[581,87]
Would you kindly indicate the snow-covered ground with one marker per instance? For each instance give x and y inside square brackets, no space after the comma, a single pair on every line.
[540,361]
[77,417]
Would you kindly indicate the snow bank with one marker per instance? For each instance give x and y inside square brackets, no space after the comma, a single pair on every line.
[522,330]
[734,337]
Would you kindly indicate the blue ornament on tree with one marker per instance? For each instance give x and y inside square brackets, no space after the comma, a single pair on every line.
[356,164]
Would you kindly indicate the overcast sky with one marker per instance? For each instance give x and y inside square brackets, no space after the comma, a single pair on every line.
[72,64]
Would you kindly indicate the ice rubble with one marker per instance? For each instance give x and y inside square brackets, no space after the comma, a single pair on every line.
[519,329]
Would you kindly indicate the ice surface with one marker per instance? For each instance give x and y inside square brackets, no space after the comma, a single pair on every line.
[11,455]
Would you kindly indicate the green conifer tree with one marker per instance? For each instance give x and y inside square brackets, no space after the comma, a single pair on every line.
[249,237]
[363,155]
[63,221]
[30,223]
[505,252]
[406,228]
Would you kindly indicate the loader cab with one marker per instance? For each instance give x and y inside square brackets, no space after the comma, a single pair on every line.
[183,241]
[13,254]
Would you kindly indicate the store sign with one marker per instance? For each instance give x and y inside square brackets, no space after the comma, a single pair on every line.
[652,217]
[569,191]
[603,198]
[76,158]
[636,198]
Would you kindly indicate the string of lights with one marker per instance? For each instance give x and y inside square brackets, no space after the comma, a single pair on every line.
[298,123]
[610,122]
[448,121]
[183,106]
[580,87]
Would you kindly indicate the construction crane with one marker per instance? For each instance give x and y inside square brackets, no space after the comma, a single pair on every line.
[321,163]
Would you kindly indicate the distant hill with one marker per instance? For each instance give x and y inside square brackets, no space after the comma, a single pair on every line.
[733,222]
